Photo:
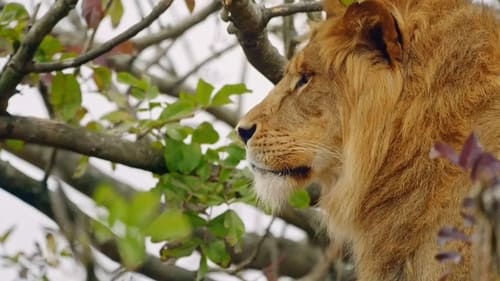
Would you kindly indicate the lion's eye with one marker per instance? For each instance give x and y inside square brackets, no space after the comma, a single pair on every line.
[304,79]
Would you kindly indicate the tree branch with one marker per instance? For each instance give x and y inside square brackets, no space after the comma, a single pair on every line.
[64,168]
[29,190]
[180,28]
[197,67]
[290,9]
[109,147]
[296,259]
[249,22]
[15,69]
[107,46]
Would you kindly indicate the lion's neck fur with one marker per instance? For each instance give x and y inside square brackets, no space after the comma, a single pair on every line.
[391,192]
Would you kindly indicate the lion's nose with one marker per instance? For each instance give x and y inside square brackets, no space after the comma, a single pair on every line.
[246,133]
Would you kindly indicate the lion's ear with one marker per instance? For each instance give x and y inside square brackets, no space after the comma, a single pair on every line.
[375,26]
[333,8]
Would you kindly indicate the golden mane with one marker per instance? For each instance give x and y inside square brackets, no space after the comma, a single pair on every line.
[357,112]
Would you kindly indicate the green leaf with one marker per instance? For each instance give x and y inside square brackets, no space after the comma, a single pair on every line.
[178,132]
[102,76]
[66,96]
[106,196]
[116,12]
[48,48]
[222,96]
[204,92]
[16,145]
[299,199]
[181,157]
[132,251]
[235,155]
[140,88]
[118,116]
[217,227]
[179,250]
[235,227]
[13,12]
[101,232]
[348,3]
[131,80]
[205,133]
[195,220]
[216,252]
[142,209]
[5,236]
[83,164]
[169,225]
[177,110]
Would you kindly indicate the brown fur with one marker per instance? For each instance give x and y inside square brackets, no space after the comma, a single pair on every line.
[388,80]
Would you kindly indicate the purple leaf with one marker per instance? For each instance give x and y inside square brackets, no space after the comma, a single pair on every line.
[469,203]
[469,220]
[471,150]
[443,150]
[485,168]
[453,257]
[450,233]
[92,12]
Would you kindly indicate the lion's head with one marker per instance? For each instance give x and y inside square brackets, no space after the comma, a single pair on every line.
[348,74]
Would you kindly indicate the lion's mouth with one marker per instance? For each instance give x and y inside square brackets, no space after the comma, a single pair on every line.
[297,172]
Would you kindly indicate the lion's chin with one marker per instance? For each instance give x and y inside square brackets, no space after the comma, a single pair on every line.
[272,190]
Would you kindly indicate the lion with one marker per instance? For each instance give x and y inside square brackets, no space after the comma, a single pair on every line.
[357,111]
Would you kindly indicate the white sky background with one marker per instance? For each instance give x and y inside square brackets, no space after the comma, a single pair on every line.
[210,35]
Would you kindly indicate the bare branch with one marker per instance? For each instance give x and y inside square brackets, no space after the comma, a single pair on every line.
[105,47]
[109,147]
[64,168]
[15,69]
[295,259]
[249,22]
[180,28]
[292,8]
[197,67]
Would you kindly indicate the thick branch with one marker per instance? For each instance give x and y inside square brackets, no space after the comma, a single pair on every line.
[109,147]
[107,46]
[180,28]
[65,165]
[294,259]
[15,69]
[248,23]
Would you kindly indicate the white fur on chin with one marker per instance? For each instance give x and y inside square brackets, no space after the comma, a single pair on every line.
[273,190]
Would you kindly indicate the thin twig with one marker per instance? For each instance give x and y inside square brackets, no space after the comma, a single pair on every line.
[197,67]
[107,46]
[291,8]
[256,251]
[180,28]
